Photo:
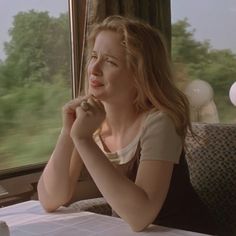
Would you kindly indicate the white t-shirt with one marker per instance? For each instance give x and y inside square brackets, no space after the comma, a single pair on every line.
[158,141]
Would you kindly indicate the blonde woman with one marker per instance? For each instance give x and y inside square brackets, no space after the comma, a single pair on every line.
[128,131]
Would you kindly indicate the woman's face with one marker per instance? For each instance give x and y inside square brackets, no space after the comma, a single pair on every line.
[110,79]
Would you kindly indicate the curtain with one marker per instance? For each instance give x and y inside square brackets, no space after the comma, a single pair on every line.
[156,12]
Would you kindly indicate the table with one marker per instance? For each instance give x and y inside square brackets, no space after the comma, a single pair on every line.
[29,219]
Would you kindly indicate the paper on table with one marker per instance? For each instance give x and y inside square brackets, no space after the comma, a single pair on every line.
[29,218]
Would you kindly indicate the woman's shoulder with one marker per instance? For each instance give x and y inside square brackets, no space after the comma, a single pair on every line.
[159,139]
[157,119]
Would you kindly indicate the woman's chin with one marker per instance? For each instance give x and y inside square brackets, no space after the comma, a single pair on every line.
[97,94]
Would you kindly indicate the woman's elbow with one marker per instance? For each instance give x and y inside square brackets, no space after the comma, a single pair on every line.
[51,204]
[48,209]
[141,223]
[138,227]
[47,206]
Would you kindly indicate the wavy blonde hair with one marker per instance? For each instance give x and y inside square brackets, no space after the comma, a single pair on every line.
[148,59]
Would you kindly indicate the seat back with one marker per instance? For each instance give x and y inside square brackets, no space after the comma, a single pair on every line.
[212,166]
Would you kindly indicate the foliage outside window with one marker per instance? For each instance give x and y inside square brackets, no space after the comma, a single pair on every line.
[34,84]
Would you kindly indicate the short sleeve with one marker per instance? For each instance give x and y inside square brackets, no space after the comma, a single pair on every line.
[160,140]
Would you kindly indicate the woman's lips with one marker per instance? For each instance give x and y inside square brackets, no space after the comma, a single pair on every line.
[96,83]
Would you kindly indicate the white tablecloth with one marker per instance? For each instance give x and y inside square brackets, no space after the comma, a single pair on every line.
[29,219]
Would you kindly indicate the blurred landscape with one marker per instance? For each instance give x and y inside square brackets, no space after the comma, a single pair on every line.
[35,83]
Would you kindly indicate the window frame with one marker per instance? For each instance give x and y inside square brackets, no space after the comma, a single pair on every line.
[77,14]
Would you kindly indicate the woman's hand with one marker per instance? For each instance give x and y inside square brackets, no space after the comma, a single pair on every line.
[69,113]
[88,119]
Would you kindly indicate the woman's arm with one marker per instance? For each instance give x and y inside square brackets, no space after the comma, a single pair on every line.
[57,183]
[137,203]
[130,200]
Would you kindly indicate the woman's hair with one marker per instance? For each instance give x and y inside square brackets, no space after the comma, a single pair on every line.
[149,61]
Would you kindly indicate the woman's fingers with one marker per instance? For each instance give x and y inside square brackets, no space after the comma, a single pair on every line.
[88,104]
[100,104]
[73,104]
[96,103]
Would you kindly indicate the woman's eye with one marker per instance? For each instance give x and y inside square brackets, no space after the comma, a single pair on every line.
[111,62]
[93,57]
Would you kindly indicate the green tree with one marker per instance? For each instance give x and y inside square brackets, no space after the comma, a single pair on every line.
[38,50]
[34,84]
[185,48]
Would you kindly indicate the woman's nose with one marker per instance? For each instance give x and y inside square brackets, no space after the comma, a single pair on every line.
[96,68]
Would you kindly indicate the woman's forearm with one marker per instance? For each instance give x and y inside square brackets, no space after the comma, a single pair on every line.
[54,184]
[125,197]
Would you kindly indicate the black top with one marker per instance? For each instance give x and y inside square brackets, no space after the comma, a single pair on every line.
[183,209]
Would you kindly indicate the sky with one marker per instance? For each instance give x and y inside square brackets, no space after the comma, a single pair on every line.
[213,20]
[9,8]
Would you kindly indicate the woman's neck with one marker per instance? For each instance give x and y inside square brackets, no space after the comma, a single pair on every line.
[119,119]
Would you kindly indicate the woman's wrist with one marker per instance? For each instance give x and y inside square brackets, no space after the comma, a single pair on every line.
[65,132]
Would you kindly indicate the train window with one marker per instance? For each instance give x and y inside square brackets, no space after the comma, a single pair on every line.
[204,56]
[34,79]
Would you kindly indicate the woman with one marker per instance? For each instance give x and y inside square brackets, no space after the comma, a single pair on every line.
[128,131]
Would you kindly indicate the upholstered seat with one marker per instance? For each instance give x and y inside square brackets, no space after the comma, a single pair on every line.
[212,166]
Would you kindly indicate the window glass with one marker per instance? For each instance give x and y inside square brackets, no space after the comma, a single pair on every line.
[204,56]
[34,79]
